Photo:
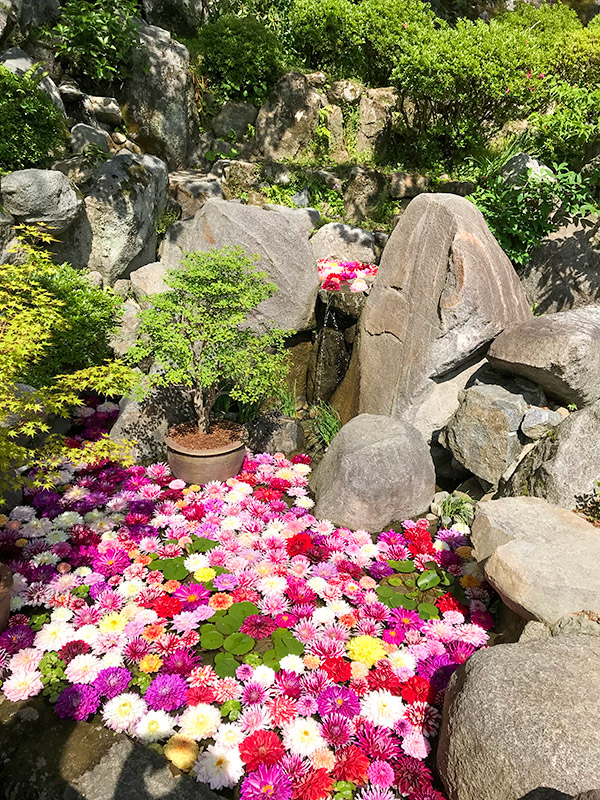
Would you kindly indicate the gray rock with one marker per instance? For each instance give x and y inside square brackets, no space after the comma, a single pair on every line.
[334,122]
[18,62]
[347,303]
[586,623]
[443,291]
[564,466]
[148,280]
[517,169]
[537,422]
[180,16]
[375,471]
[7,237]
[104,109]
[306,218]
[95,279]
[125,335]
[363,193]
[483,434]
[191,189]
[560,352]
[83,136]
[328,364]
[234,117]
[286,124]
[159,99]
[9,13]
[145,423]
[564,271]
[341,242]
[117,234]
[511,730]
[78,168]
[122,288]
[522,541]
[406,184]
[345,92]
[284,250]
[375,120]
[274,433]
[41,195]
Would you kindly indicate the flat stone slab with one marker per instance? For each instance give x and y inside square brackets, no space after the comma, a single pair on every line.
[541,559]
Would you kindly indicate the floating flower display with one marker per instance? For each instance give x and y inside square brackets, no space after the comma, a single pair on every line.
[355,275]
[259,646]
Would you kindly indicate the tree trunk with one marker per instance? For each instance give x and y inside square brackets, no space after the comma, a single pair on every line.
[202,412]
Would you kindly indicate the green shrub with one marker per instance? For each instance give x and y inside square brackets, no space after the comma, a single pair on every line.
[95,38]
[239,57]
[520,216]
[30,125]
[89,316]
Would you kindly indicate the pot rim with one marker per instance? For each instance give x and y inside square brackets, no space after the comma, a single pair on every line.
[175,447]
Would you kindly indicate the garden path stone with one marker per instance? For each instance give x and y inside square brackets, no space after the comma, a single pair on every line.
[338,242]
[284,250]
[563,466]
[520,722]
[560,352]
[158,97]
[32,196]
[444,290]
[540,558]
[376,470]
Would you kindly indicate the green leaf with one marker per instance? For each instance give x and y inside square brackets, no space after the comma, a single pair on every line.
[172,568]
[211,640]
[403,566]
[271,660]
[202,545]
[395,580]
[238,643]
[225,665]
[428,611]
[227,624]
[242,610]
[428,579]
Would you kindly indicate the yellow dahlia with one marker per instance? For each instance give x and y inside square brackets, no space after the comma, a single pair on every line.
[365,649]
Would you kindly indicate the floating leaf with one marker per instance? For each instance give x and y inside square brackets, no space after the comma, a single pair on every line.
[225,665]
[396,580]
[402,566]
[239,644]
[271,660]
[227,624]
[211,640]
[428,579]
[428,611]
[172,568]
[231,709]
[242,610]
[202,545]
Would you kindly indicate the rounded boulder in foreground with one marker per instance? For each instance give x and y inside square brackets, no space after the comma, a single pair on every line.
[376,470]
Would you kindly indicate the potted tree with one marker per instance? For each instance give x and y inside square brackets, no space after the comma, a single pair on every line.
[199,335]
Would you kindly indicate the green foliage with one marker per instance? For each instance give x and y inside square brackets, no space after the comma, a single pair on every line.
[456,509]
[288,401]
[240,57]
[89,314]
[326,424]
[569,126]
[31,315]
[195,331]
[95,38]
[520,216]
[166,219]
[31,127]
[238,644]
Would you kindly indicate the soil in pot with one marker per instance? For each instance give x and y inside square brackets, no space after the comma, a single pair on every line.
[199,458]
[220,434]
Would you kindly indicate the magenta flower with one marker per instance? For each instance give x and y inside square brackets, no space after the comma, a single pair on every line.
[166,692]
[338,699]
[258,626]
[192,595]
[77,702]
[267,783]
[336,730]
[112,681]
[112,562]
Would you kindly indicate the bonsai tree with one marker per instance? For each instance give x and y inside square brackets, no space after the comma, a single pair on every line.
[199,336]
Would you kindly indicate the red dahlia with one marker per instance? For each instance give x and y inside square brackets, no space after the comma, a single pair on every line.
[262,747]
[315,785]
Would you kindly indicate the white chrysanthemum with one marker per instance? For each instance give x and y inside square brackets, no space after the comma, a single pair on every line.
[304,502]
[84,668]
[292,663]
[57,535]
[272,584]
[154,726]
[275,526]
[200,722]
[229,734]
[302,736]
[87,633]
[196,561]
[130,589]
[231,523]
[53,636]
[107,407]
[40,559]
[369,550]
[37,527]
[82,572]
[439,545]
[286,473]
[67,519]
[219,766]
[323,615]
[22,513]
[122,712]
[112,659]
[264,675]
[25,660]
[61,614]
[471,568]
[95,515]
[302,469]
[84,411]
[340,607]
[401,659]
[382,708]
[317,584]
[16,603]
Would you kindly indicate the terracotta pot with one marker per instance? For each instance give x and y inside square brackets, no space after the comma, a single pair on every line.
[203,466]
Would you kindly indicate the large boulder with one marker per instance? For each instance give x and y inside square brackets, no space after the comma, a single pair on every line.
[17,61]
[522,543]
[522,166]
[180,16]
[521,721]
[284,250]
[560,352]
[32,196]
[234,118]
[340,242]
[126,196]
[286,124]
[158,97]
[564,271]
[376,470]
[444,290]
[375,120]
[564,466]
[192,188]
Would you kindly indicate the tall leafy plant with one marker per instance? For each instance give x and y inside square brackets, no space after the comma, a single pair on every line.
[198,332]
